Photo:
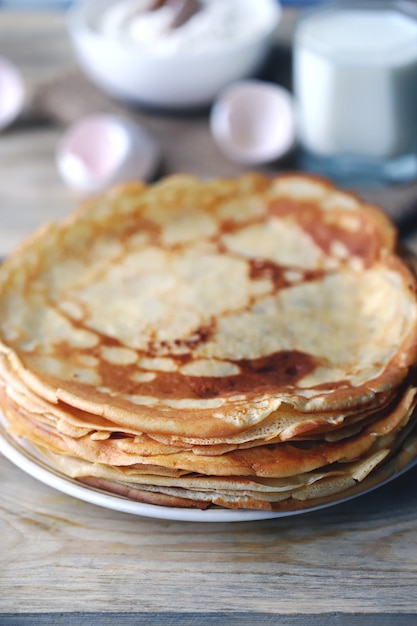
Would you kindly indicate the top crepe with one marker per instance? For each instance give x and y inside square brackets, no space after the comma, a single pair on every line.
[200,309]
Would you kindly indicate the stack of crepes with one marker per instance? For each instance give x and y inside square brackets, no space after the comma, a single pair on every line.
[245,343]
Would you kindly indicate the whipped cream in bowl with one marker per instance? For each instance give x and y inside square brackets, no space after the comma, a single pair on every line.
[212,24]
[172,54]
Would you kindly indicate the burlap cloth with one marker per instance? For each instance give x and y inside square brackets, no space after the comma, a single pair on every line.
[186,143]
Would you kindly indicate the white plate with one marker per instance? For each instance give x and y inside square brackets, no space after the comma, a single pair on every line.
[25,456]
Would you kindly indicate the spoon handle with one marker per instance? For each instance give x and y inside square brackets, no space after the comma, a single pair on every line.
[184,10]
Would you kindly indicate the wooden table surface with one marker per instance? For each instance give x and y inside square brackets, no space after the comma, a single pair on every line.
[63,561]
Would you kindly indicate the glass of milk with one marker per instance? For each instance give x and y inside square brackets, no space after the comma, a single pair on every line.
[355,86]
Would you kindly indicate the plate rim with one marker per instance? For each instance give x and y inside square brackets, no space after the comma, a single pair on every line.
[25,456]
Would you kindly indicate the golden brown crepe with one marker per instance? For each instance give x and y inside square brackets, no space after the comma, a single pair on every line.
[226,329]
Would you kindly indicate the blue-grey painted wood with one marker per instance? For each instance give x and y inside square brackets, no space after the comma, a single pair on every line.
[207,619]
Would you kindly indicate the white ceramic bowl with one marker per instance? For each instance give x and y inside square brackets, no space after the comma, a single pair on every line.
[180,77]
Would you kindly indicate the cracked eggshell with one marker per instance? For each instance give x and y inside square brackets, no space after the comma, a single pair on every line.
[12,93]
[253,122]
[101,150]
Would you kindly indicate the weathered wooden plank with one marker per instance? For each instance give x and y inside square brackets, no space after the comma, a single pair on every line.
[207,619]
[59,554]
[61,557]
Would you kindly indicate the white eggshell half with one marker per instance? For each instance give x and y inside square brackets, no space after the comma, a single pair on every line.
[253,122]
[12,93]
[101,150]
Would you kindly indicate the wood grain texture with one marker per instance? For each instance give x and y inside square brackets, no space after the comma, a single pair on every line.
[59,554]
[206,619]
[351,564]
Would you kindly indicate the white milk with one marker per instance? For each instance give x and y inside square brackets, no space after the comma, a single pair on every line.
[355,80]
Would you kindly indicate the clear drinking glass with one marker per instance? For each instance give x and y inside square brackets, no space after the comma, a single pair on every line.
[355,86]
